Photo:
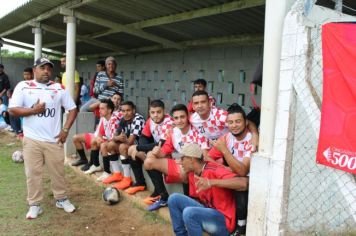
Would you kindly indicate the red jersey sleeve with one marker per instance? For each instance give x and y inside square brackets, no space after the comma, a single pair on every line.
[101,130]
[168,147]
[190,106]
[146,129]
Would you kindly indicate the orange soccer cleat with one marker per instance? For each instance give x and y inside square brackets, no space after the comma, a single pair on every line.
[116,177]
[134,189]
[124,184]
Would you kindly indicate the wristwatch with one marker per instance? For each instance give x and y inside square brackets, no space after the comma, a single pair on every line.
[66,130]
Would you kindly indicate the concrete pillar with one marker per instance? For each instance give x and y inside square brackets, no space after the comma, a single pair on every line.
[70,52]
[262,163]
[38,42]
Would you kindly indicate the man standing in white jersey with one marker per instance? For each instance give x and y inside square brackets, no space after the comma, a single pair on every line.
[39,101]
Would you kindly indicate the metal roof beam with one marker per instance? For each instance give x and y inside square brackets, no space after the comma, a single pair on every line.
[123,28]
[208,11]
[83,38]
[248,39]
[46,51]
[70,5]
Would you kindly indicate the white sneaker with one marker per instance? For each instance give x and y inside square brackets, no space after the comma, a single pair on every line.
[34,212]
[103,176]
[93,169]
[65,205]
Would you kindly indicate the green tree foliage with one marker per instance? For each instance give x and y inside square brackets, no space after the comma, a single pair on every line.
[20,54]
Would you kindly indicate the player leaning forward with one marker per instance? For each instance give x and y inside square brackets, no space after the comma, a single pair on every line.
[39,101]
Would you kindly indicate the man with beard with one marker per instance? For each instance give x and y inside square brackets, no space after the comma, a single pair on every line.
[210,121]
[211,205]
[167,159]
[40,101]
[235,147]
[154,133]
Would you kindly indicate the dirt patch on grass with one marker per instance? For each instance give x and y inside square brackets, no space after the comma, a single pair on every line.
[92,217]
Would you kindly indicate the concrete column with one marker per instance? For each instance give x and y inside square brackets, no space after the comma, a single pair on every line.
[262,163]
[338,5]
[70,52]
[38,42]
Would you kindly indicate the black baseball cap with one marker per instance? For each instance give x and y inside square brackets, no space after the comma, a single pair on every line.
[42,61]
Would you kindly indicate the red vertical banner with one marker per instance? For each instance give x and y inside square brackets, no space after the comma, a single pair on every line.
[337,138]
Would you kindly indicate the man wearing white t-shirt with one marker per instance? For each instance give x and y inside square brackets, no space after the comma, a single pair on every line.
[39,101]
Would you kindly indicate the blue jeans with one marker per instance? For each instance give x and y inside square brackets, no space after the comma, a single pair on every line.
[5,100]
[189,217]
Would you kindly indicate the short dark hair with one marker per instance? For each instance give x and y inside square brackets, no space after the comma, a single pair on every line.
[236,108]
[201,92]
[200,81]
[1,66]
[108,103]
[28,69]
[101,62]
[117,93]
[129,103]
[157,103]
[179,107]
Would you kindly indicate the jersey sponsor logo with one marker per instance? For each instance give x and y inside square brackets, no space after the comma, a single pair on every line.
[48,112]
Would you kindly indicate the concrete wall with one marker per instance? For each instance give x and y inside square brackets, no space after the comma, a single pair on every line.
[14,68]
[169,75]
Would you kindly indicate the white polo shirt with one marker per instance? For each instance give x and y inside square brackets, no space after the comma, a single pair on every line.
[47,125]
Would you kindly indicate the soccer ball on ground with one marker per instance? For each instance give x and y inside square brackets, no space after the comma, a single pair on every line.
[17,156]
[111,196]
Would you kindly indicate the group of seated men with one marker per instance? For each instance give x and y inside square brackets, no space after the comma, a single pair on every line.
[205,148]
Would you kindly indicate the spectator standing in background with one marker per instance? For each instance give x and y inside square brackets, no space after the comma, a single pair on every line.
[4,84]
[76,81]
[108,82]
[100,66]
[27,73]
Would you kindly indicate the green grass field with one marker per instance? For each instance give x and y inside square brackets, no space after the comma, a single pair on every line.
[92,216]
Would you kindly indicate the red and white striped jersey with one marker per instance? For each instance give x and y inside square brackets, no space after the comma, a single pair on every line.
[107,128]
[118,114]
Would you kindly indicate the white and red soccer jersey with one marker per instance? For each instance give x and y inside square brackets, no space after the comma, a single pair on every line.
[176,140]
[47,125]
[240,149]
[107,128]
[118,114]
[158,131]
[213,127]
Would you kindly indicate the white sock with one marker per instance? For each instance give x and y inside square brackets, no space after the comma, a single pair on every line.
[127,170]
[115,165]
[241,222]
[126,167]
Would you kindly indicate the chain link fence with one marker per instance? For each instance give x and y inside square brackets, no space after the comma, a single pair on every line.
[320,201]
